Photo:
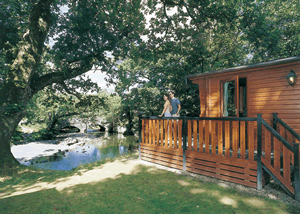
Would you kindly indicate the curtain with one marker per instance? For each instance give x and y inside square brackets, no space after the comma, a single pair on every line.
[225,102]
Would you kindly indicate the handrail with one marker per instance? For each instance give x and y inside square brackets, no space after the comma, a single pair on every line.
[162,118]
[288,127]
[204,118]
[277,135]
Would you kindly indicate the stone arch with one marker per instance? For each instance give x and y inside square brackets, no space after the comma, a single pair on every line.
[67,129]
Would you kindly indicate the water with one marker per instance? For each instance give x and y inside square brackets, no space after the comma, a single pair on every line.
[89,147]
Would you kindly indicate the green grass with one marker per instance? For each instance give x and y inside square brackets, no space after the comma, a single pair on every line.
[142,189]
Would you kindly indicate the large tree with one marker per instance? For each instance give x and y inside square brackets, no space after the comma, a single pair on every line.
[193,36]
[82,37]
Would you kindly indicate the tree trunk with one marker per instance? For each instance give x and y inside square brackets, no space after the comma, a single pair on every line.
[52,123]
[16,89]
[129,124]
[8,125]
[55,119]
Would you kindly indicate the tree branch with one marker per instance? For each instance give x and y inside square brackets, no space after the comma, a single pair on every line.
[57,77]
[65,87]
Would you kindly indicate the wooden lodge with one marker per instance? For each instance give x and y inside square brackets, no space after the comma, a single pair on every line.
[247,131]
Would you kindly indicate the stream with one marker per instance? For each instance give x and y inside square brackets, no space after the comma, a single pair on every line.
[70,150]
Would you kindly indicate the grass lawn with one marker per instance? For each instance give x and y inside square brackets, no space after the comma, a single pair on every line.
[123,186]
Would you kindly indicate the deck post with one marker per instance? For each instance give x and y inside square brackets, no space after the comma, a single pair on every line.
[140,134]
[296,172]
[275,121]
[259,148]
[184,134]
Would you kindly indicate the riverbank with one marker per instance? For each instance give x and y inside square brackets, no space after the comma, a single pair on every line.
[70,150]
[125,185]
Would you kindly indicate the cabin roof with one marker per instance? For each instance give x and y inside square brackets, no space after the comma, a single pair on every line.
[246,67]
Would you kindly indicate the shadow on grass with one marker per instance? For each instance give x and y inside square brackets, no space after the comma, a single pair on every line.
[28,176]
[128,187]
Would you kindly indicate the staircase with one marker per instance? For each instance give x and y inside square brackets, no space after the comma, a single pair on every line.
[278,154]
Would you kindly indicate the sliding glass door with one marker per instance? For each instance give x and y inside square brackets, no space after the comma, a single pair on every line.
[230,97]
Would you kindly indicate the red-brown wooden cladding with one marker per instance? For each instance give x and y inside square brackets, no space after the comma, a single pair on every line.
[164,156]
[147,131]
[243,139]
[227,138]
[180,134]
[189,131]
[278,175]
[267,146]
[239,140]
[290,139]
[156,147]
[235,138]
[161,133]
[276,154]
[150,132]
[207,136]
[195,132]
[286,158]
[251,138]
[153,132]
[170,134]
[166,133]
[175,130]
[201,135]
[143,131]
[285,178]
[220,137]
[226,168]
[213,137]
[157,132]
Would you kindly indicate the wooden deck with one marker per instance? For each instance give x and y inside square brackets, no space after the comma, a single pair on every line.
[220,149]
[246,151]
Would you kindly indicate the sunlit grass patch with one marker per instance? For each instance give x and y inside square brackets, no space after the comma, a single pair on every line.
[125,187]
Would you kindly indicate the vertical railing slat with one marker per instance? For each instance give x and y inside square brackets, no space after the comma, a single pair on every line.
[251,141]
[180,134]
[195,131]
[290,140]
[286,165]
[213,137]
[166,133]
[184,133]
[242,139]
[189,132]
[143,131]
[175,128]
[162,132]
[150,131]
[200,136]
[282,133]
[235,138]
[153,132]
[220,138]
[207,136]
[268,146]
[259,148]
[276,154]
[170,134]
[147,131]
[227,138]
[296,171]
[157,132]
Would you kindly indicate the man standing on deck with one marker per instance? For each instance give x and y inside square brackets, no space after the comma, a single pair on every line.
[176,106]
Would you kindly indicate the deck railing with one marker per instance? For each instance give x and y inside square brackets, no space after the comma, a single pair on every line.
[239,150]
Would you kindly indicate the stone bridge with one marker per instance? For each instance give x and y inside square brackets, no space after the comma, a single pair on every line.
[82,126]
[98,123]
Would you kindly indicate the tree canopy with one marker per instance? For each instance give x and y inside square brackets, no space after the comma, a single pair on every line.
[82,36]
[142,58]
